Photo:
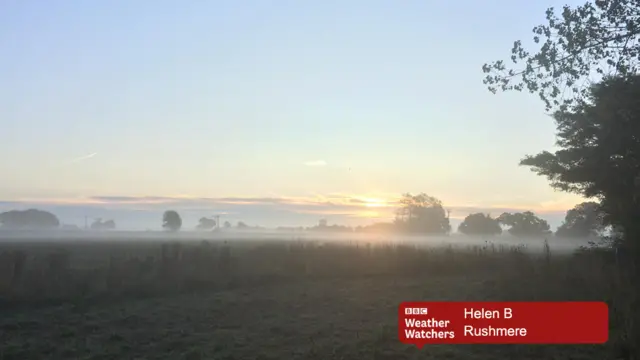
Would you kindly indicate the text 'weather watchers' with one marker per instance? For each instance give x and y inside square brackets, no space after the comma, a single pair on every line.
[422,323]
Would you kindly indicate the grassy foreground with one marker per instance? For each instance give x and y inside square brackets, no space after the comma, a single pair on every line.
[256,300]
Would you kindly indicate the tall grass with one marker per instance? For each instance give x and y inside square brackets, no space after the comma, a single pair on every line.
[82,274]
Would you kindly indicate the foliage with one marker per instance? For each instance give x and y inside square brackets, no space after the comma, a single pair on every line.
[599,154]
[525,224]
[206,224]
[227,225]
[591,40]
[378,227]
[171,220]
[98,224]
[480,224]
[137,262]
[108,286]
[422,214]
[323,226]
[584,220]
[28,219]
[242,225]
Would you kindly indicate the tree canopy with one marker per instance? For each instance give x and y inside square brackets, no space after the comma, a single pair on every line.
[206,224]
[480,224]
[525,224]
[171,220]
[29,219]
[422,214]
[323,226]
[577,45]
[599,154]
[584,220]
[98,224]
[590,53]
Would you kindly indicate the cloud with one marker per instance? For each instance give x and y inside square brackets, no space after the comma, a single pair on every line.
[186,200]
[85,157]
[339,204]
[316,163]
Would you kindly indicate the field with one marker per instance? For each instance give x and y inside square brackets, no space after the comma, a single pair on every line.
[275,300]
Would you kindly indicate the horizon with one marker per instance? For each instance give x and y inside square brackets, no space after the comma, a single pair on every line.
[266,113]
[133,214]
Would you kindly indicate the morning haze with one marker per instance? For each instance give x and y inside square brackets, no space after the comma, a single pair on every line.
[308,100]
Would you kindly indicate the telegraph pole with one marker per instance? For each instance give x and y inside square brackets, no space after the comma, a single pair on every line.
[217,217]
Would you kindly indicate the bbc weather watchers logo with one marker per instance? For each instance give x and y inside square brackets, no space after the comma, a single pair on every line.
[416,311]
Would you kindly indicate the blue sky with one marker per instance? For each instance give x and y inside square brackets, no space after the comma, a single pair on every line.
[216,99]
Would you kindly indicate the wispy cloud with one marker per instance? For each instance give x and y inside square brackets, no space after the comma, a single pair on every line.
[316,163]
[85,157]
[336,203]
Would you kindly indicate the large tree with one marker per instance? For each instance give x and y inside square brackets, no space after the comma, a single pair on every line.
[598,125]
[599,154]
[575,46]
[171,220]
[98,224]
[28,219]
[422,214]
[584,220]
[525,224]
[206,224]
[480,224]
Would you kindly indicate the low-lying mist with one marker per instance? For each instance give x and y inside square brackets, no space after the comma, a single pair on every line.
[532,244]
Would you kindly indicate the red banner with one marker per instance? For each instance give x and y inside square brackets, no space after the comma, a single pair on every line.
[422,323]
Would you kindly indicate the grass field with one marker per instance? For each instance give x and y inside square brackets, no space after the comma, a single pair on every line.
[275,300]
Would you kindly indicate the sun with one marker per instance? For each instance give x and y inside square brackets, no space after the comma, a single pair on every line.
[369,202]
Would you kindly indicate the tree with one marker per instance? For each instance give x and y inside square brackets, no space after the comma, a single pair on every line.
[227,225]
[584,220]
[422,214]
[171,220]
[242,225]
[323,226]
[590,40]
[28,219]
[584,42]
[525,224]
[599,154]
[206,224]
[98,224]
[480,224]
[381,227]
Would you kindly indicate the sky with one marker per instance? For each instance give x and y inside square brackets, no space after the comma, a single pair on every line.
[275,112]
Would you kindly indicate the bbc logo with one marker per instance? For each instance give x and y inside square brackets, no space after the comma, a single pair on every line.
[416,311]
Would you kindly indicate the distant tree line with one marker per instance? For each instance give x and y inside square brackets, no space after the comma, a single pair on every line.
[172,221]
[35,219]
[424,214]
[98,224]
[417,214]
[28,219]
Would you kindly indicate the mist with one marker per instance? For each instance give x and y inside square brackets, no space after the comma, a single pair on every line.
[528,244]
